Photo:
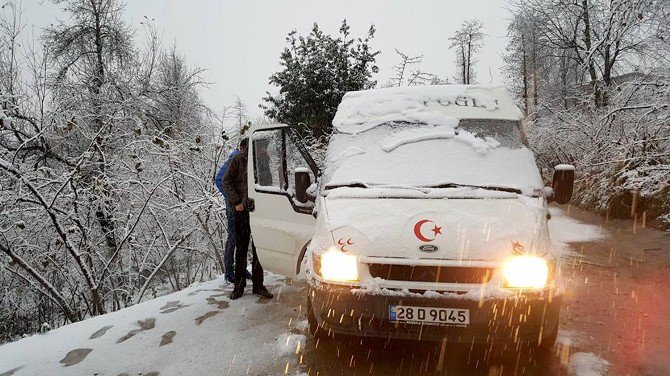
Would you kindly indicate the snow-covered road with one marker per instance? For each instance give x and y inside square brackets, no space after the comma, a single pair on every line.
[196,331]
[613,320]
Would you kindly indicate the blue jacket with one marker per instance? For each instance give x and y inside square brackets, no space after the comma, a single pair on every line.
[222,171]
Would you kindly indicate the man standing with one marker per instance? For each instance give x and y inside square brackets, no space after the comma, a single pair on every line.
[229,251]
[235,185]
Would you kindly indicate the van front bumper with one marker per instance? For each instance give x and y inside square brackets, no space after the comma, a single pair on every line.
[519,320]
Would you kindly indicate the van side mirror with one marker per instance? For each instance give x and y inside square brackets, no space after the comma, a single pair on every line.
[563,183]
[302,183]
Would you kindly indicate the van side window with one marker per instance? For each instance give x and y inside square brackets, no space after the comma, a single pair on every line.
[268,159]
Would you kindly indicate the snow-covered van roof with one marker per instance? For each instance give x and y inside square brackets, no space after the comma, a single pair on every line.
[437,105]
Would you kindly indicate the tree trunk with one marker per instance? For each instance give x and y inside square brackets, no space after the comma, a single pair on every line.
[587,43]
[469,56]
[524,72]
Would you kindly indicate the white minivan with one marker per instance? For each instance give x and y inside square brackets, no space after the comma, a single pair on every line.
[426,219]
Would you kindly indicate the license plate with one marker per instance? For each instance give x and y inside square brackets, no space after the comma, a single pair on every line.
[429,315]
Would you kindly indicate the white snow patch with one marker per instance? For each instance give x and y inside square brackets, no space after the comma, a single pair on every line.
[563,230]
[350,152]
[416,135]
[302,325]
[481,145]
[588,364]
[290,343]
[564,167]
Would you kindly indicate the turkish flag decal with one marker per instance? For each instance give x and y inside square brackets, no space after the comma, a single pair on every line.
[423,227]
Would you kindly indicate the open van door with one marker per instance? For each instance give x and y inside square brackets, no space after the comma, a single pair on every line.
[282,214]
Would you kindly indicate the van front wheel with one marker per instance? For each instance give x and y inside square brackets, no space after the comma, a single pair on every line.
[548,342]
[314,329]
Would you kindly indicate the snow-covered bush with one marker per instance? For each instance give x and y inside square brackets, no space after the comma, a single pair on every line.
[597,95]
[621,151]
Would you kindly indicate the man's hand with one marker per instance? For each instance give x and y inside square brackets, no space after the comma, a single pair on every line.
[239,207]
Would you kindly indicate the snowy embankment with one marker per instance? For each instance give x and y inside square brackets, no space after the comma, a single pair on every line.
[196,331]
[564,230]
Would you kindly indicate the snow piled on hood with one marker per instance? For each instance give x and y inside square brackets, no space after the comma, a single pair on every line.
[441,105]
[427,156]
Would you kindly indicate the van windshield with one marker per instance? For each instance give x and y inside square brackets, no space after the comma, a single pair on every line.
[478,154]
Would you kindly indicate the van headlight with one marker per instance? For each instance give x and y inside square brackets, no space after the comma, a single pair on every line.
[337,266]
[526,272]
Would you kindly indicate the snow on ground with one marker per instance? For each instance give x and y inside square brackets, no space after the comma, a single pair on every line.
[587,364]
[196,331]
[564,229]
[578,363]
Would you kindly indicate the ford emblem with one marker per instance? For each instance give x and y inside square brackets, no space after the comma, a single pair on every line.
[428,248]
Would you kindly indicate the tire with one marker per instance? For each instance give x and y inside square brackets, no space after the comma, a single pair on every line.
[314,329]
[549,341]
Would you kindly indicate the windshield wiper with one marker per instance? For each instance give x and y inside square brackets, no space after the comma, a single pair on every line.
[422,189]
[365,185]
[350,185]
[488,188]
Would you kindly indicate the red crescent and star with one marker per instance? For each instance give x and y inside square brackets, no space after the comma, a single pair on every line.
[417,230]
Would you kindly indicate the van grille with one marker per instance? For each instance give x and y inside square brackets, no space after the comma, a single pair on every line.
[440,274]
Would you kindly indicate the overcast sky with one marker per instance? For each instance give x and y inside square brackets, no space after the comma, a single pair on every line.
[239,42]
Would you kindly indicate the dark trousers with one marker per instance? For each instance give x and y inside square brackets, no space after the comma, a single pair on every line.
[243,234]
[229,252]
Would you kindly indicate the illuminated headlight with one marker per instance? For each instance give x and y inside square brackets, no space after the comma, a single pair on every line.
[338,266]
[526,272]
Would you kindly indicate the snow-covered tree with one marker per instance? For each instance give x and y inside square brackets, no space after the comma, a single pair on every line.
[317,70]
[467,41]
[106,165]
[406,73]
[593,78]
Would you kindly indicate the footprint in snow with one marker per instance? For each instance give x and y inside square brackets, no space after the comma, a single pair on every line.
[195,292]
[204,317]
[219,295]
[262,300]
[75,356]
[167,338]
[172,306]
[147,324]
[221,304]
[101,332]
[11,371]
